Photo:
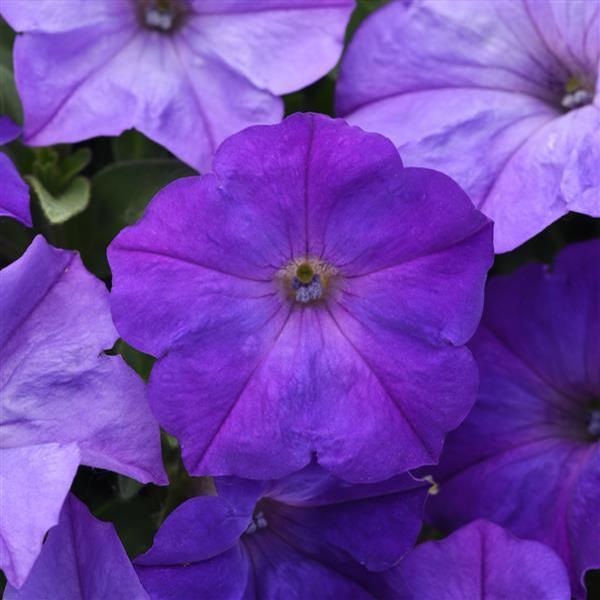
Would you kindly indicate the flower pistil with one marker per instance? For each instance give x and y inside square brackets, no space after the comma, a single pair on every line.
[307,280]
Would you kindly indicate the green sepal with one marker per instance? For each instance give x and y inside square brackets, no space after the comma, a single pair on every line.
[61,207]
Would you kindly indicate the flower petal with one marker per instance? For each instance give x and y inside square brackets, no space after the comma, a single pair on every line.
[280,570]
[433,45]
[82,558]
[199,84]
[8,130]
[55,326]
[212,393]
[34,481]
[94,91]
[424,238]
[228,575]
[280,45]
[302,170]
[584,518]
[206,262]
[580,184]
[373,523]
[62,15]
[527,489]
[405,408]
[220,72]
[569,32]
[482,561]
[14,193]
[79,101]
[217,521]
[450,129]
[254,408]
[548,317]
[535,171]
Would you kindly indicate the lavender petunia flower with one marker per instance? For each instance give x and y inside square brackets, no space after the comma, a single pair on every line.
[311,296]
[528,455]
[14,193]
[82,558]
[479,561]
[63,402]
[187,73]
[309,532]
[501,96]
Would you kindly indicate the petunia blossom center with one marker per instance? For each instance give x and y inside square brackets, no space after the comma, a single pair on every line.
[307,281]
[259,521]
[593,423]
[161,15]
[576,94]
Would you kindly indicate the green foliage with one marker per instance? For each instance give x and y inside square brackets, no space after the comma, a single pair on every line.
[132,145]
[141,363]
[122,191]
[61,207]
[10,104]
[72,164]
[120,194]
[14,239]
[318,97]
[59,190]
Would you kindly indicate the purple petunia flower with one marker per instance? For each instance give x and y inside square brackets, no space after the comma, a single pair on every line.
[63,402]
[82,558]
[309,532]
[14,193]
[481,560]
[528,455]
[501,96]
[187,73]
[311,296]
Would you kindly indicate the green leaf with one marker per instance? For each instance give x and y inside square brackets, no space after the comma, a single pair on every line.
[122,191]
[10,104]
[128,488]
[132,145]
[73,164]
[141,363]
[58,209]
[45,168]
[14,239]
[120,194]
[54,167]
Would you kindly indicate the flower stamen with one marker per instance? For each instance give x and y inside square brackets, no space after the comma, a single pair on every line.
[306,280]
[258,522]
[576,95]
[307,292]
[160,15]
[593,425]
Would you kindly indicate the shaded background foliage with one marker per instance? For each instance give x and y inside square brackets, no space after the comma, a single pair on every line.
[83,194]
